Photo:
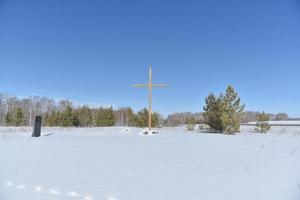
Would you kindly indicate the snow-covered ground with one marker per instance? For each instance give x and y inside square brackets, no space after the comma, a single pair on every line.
[281,123]
[119,163]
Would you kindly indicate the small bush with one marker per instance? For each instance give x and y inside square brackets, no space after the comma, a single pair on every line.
[262,124]
[190,127]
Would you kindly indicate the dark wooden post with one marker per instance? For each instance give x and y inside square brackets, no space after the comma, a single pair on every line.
[37,127]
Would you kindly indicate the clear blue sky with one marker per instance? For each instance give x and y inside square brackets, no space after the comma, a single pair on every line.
[92,51]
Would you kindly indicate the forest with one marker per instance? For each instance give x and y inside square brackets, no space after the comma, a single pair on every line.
[16,111]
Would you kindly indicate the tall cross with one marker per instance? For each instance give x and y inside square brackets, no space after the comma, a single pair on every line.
[150,85]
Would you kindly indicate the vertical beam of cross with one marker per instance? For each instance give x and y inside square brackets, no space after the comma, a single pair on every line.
[150,98]
[150,85]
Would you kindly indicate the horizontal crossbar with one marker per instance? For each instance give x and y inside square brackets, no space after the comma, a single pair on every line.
[152,85]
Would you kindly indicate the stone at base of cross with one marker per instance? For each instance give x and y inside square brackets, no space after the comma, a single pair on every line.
[147,131]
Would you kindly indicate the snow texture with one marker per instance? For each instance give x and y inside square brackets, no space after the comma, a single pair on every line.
[123,164]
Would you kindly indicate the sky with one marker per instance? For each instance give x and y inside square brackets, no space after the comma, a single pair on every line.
[92,51]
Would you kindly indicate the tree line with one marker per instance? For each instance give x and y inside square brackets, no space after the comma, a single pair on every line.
[21,112]
[250,116]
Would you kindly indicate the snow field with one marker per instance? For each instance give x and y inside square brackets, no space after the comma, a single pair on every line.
[114,163]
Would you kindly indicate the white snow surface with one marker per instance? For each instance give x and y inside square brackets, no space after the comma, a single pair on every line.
[121,164]
[281,122]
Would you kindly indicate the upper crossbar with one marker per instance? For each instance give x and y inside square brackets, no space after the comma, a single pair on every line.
[152,85]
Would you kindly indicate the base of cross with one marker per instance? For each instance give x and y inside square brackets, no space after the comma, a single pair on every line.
[149,132]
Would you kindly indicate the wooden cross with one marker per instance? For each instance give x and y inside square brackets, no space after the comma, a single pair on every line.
[150,85]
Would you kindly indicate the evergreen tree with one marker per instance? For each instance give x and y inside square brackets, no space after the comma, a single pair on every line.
[105,117]
[85,116]
[110,117]
[213,111]
[142,117]
[223,113]
[53,119]
[262,124]
[191,123]
[45,119]
[190,127]
[16,117]
[68,117]
[9,121]
[20,117]
[233,111]
[75,119]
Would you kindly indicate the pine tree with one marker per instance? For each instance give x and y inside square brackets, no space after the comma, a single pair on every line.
[141,119]
[66,117]
[53,119]
[110,117]
[190,127]
[75,119]
[85,116]
[9,119]
[233,111]
[262,124]
[213,112]
[20,117]
[223,113]
[105,117]
[16,117]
